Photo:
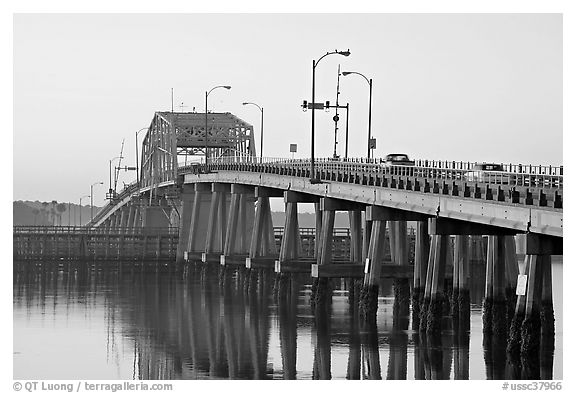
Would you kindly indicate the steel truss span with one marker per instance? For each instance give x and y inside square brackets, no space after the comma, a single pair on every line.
[176,137]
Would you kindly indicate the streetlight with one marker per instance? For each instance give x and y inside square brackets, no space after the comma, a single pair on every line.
[314,64]
[261,127]
[110,193]
[85,196]
[92,198]
[138,132]
[369,106]
[206,124]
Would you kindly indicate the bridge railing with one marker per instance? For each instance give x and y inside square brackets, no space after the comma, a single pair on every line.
[524,175]
[82,230]
[514,175]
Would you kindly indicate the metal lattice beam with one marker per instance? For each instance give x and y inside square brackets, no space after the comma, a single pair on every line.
[184,134]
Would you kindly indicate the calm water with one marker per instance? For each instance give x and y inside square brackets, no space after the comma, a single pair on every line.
[71,322]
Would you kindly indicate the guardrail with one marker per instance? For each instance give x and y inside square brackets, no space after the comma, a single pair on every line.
[525,176]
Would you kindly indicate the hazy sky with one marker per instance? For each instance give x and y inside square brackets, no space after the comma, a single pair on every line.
[475,87]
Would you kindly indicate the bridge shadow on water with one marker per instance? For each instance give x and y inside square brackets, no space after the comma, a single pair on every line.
[200,321]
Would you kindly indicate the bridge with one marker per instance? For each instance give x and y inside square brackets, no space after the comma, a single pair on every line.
[203,176]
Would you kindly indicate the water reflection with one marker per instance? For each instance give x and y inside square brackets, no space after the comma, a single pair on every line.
[150,321]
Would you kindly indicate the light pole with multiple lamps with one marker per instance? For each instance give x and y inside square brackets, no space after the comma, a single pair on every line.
[369,107]
[110,191]
[206,122]
[261,126]
[138,132]
[314,64]
[85,196]
[92,199]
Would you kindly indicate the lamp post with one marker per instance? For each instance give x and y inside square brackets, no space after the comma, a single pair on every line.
[92,199]
[206,123]
[110,193]
[314,64]
[85,196]
[138,132]
[261,126]
[369,106]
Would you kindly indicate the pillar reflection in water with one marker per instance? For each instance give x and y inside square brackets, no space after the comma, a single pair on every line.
[322,310]
[287,298]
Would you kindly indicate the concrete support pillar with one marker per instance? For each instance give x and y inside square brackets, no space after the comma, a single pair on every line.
[291,244]
[514,337]
[262,242]
[441,255]
[421,255]
[494,315]
[124,212]
[199,216]
[355,218]
[187,196]
[217,220]
[511,276]
[240,222]
[402,252]
[117,219]
[107,224]
[460,286]
[137,223]
[326,235]
[547,306]
[131,212]
[399,243]
[366,238]
[318,230]
[530,330]
[369,293]
[425,305]
[392,235]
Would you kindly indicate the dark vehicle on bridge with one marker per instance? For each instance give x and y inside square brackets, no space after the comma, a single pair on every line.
[398,159]
[488,173]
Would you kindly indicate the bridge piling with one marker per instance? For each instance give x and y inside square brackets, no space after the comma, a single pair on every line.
[437,294]
[198,221]
[546,306]
[460,289]
[511,277]
[401,285]
[216,233]
[531,325]
[290,246]
[317,233]
[421,254]
[262,243]
[355,219]
[495,305]
[187,197]
[369,293]
[240,223]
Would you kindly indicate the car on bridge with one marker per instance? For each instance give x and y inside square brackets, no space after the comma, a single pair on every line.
[487,173]
[398,159]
